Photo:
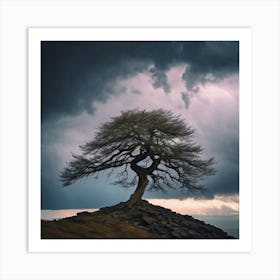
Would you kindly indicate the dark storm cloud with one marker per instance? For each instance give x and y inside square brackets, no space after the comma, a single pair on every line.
[216,58]
[76,73]
[186,98]
[160,79]
[223,144]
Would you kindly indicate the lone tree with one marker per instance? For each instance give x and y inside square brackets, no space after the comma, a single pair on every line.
[157,145]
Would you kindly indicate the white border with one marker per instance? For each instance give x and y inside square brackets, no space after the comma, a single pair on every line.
[243,35]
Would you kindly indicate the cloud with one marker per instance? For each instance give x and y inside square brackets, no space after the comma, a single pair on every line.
[160,79]
[210,60]
[219,205]
[186,98]
[75,74]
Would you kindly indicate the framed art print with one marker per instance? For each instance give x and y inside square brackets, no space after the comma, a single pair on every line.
[140,139]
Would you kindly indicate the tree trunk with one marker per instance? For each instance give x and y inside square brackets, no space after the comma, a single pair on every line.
[137,195]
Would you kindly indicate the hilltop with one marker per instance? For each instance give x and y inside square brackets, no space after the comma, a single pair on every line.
[143,220]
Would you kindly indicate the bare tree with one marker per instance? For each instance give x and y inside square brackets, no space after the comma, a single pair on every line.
[157,145]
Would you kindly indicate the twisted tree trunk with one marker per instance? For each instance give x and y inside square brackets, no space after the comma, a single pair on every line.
[142,173]
[137,195]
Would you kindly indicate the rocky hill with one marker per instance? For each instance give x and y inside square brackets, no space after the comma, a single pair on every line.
[121,221]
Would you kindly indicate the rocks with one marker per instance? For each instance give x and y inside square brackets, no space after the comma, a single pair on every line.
[164,222]
[135,213]
[78,220]
[84,213]
[148,220]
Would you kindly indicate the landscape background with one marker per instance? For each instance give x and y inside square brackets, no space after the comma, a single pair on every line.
[86,83]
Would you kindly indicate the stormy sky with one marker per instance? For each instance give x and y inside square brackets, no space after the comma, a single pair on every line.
[83,84]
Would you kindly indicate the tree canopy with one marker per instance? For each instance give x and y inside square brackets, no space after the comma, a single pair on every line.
[157,145]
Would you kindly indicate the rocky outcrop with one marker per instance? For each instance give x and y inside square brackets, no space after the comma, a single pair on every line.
[164,222]
[143,220]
